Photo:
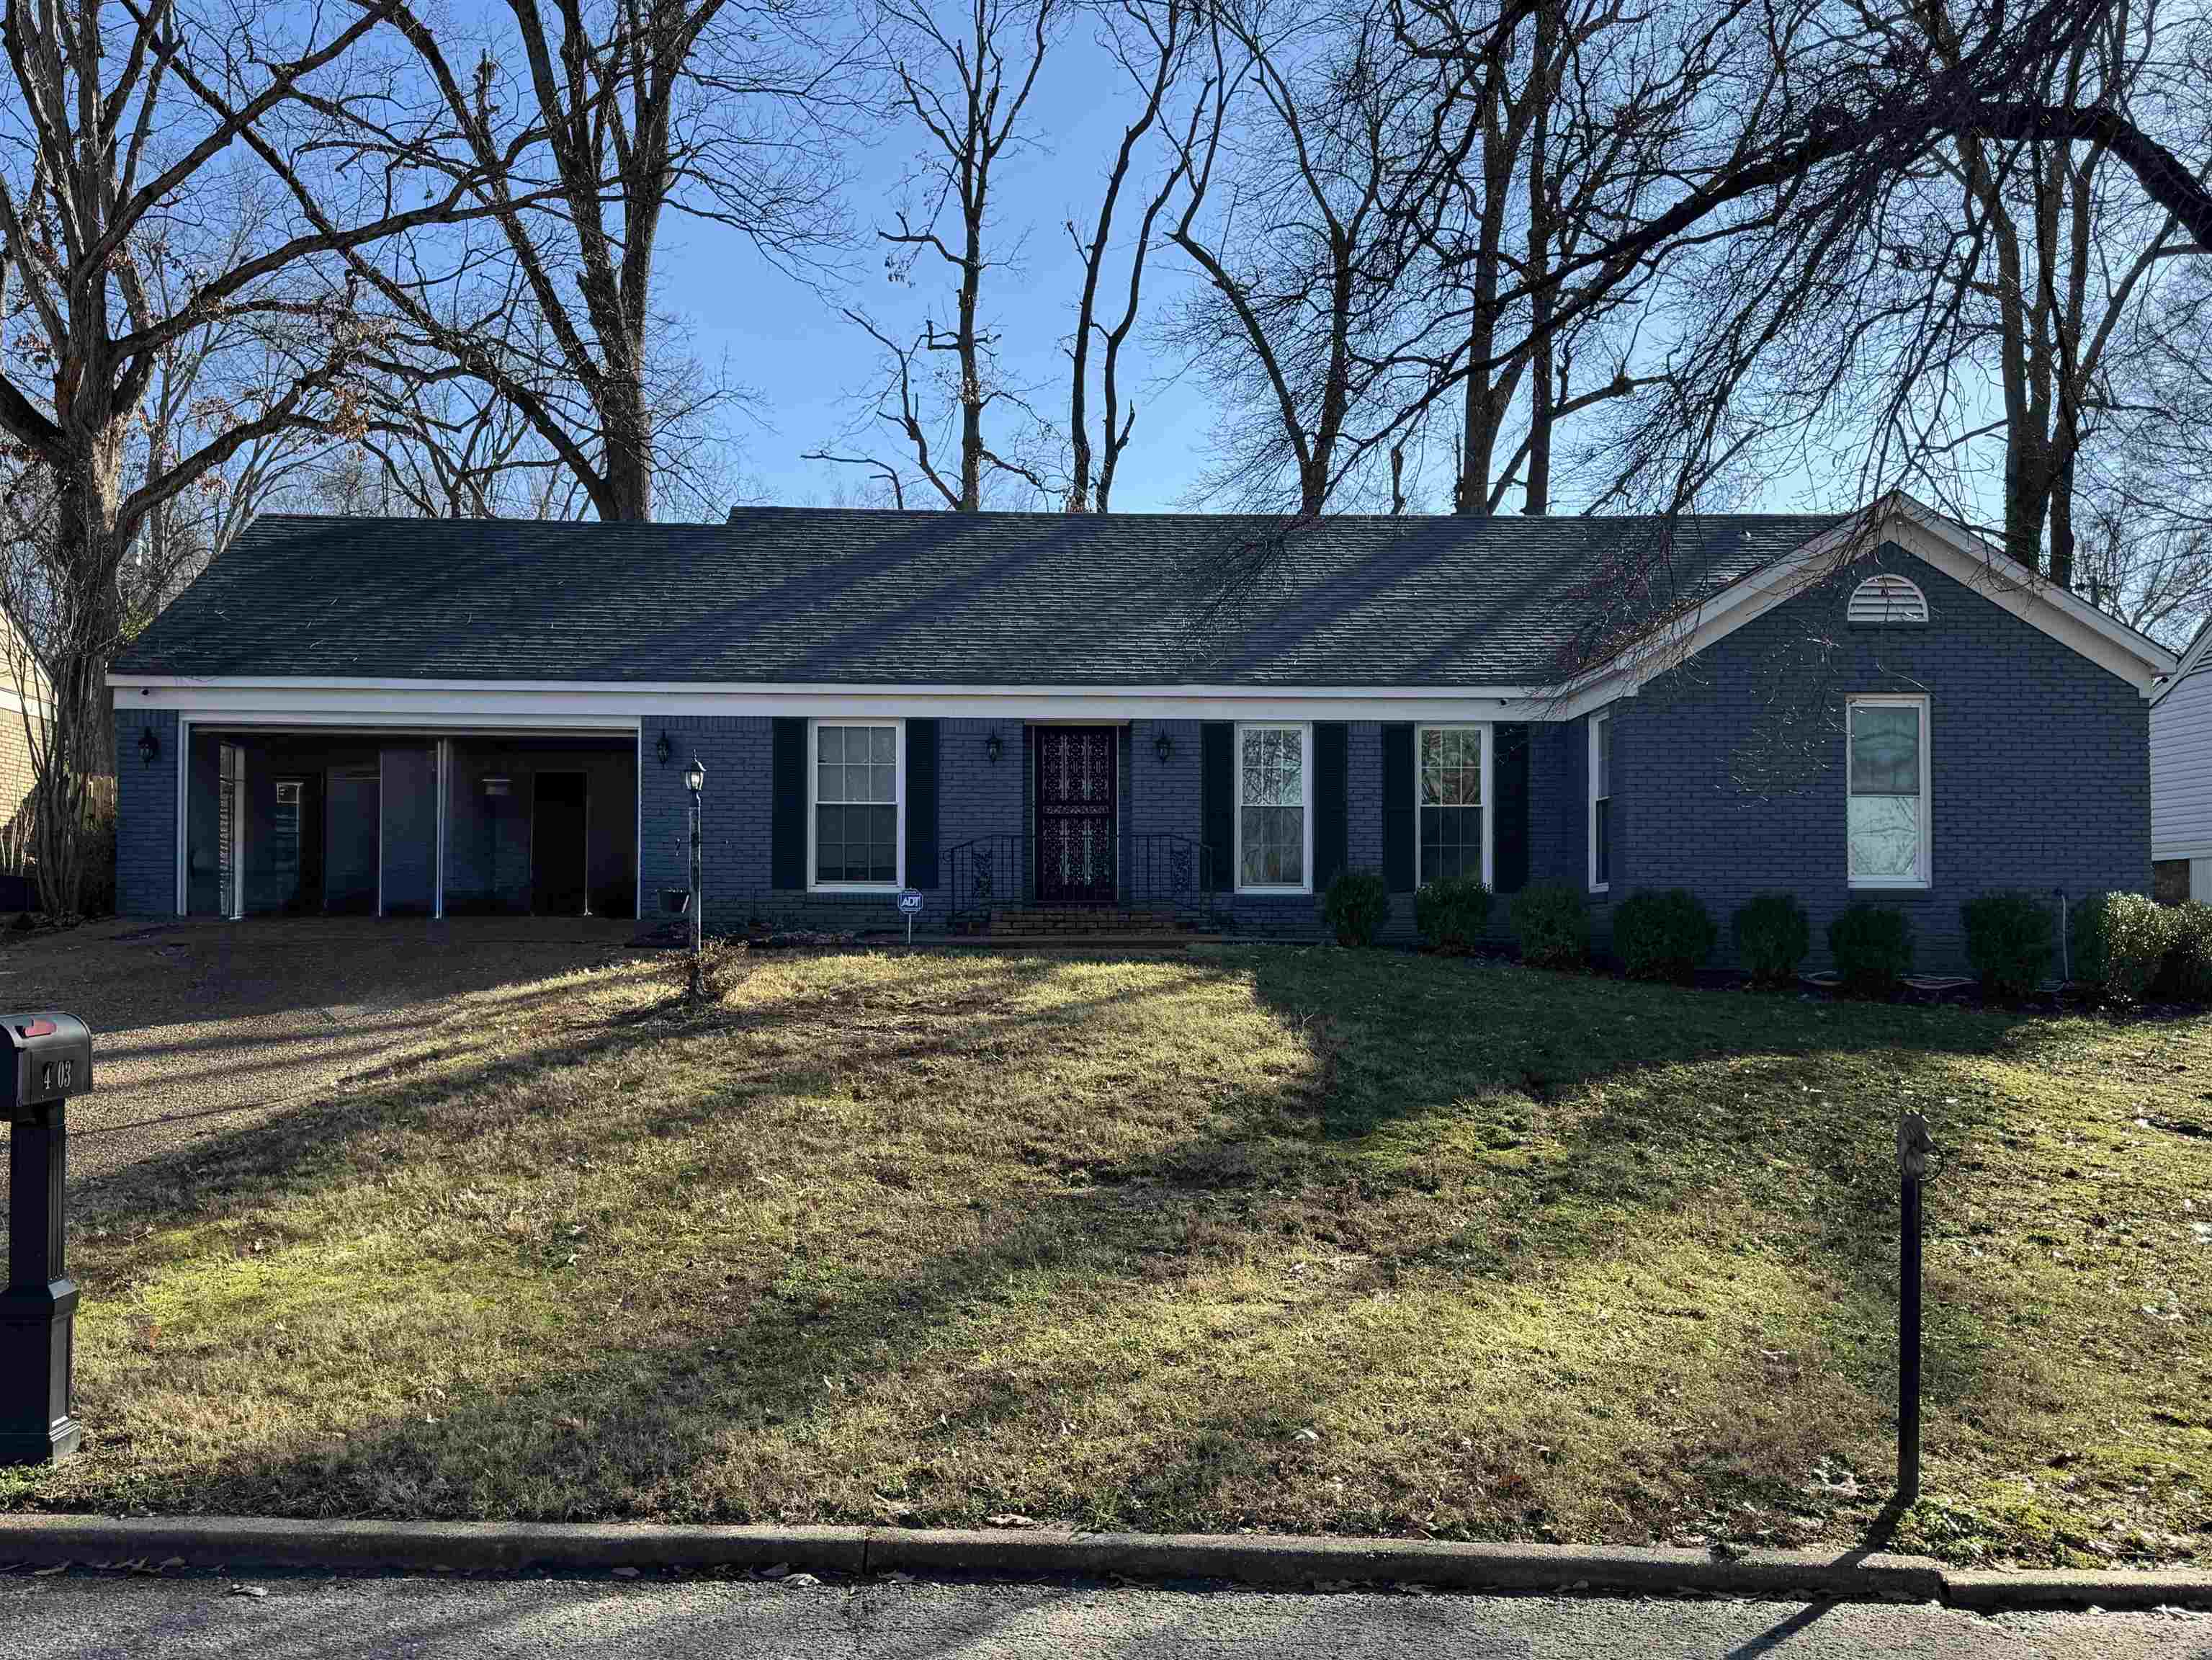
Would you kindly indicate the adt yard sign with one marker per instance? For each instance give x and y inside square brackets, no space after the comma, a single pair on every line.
[909,903]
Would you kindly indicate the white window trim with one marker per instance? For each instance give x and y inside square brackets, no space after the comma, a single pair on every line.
[814,785]
[1304,729]
[1926,876]
[1601,718]
[1489,790]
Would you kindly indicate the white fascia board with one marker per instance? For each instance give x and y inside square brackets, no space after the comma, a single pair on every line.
[1929,538]
[621,706]
[2192,659]
[2161,851]
[2066,617]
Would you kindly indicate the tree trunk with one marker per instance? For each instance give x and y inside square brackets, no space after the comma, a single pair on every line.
[2027,496]
[628,466]
[77,742]
[971,367]
[1539,489]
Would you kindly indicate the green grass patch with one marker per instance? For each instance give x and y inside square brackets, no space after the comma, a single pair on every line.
[1297,1240]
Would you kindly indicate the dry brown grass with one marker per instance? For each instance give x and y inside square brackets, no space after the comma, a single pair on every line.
[1311,1241]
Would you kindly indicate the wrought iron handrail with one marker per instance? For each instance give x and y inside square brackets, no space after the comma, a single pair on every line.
[1156,869]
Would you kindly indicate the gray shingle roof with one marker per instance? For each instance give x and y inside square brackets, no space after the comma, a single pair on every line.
[812,595]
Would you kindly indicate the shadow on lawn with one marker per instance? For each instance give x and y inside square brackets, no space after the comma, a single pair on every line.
[640,1429]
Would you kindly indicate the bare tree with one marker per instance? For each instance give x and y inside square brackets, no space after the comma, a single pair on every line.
[963,76]
[1151,41]
[1289,220]
[119,156]
[612,118]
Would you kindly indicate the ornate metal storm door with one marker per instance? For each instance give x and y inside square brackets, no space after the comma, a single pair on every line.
[1075,818]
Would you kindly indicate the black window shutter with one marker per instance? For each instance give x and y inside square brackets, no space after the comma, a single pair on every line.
[1216,792]
[1509,850]
[1330,831]
[787,783]
[1398,806]
[922,805]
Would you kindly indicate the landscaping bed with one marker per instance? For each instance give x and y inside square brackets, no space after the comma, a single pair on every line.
[1308,1241]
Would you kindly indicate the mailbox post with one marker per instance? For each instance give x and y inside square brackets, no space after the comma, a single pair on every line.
[48,1059]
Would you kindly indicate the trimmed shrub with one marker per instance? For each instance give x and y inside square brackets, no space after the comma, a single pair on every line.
[1663,936]
[1356,907]
[1451,913]
[2119,944]
[2010,938]
[1873,948]
[1552,925]
[1772,933]
[2187,977]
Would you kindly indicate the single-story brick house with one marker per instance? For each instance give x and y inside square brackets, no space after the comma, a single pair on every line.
[1010,711]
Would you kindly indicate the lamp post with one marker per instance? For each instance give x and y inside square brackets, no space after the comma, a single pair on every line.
[695,780]
[1914,1144]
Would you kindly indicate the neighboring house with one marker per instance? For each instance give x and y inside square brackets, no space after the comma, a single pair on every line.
[1015,711]
[23,707]
[2181,776]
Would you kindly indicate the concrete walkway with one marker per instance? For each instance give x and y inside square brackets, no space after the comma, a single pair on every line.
[201,1027]
[73,1617]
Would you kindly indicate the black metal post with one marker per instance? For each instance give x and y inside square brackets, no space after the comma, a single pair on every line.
[698,985]
[38,1311]
[1913,1146]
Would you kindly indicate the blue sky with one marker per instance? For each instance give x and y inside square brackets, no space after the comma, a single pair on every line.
[790,344]
[809,366]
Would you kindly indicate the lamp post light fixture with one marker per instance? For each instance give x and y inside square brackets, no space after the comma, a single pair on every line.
[662,749]
[1163,746]
[695,780]
[148,745]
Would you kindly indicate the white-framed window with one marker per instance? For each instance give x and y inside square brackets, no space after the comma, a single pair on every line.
[1601,801]
[1888,840]
[855,830]
[1451,803]
[1274,808]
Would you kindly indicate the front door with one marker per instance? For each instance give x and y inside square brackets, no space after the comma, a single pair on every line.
[353,842]
[559,838]
[1075,818]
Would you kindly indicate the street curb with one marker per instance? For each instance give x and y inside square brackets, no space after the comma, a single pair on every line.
[1268,1559]
[229,1542]
[211,1541]
[1256,1560]
[1988,1591]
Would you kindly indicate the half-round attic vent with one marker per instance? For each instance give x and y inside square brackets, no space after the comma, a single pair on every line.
[1887,597]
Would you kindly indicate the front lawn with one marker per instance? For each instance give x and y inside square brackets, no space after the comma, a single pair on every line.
[1311,1241]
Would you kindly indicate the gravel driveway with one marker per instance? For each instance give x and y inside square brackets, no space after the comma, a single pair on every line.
[207,1025]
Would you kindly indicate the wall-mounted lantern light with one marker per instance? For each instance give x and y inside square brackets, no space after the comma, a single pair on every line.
[662,749]
[148,745]
[1163,746]
[991,749]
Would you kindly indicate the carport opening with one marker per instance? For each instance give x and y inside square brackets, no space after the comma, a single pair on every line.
[397,825]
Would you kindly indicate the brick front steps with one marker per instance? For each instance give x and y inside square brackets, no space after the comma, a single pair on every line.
[1038,920]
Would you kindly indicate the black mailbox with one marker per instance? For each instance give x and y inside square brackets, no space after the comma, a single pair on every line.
[52,1057]
[50,1060]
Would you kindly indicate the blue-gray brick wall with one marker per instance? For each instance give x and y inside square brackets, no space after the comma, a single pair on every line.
[736,808]
[977,796]
[1728,774]
[146,814]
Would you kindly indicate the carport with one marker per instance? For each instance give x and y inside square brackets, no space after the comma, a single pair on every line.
[394,823]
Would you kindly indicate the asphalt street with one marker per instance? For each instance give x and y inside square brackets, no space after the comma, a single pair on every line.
[75,1613]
